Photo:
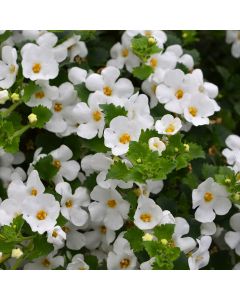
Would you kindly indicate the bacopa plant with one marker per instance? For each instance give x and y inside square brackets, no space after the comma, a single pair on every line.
[119,150]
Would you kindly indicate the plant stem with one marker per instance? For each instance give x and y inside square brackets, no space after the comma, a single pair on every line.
[11,108]
[21,131]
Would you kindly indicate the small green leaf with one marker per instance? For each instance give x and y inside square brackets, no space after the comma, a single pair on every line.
[134,237]
[111,111]
[82,91]
[142,72]
[164,231]
[40,247]
[92,261]
[5,36]
[29,90]
[43,115]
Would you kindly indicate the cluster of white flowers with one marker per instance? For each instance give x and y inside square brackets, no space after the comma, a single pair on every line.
[94,217]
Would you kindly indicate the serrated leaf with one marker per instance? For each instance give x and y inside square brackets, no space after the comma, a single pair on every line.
[134,236]
[43,115]
[40,247]
[5,36]
[111,111]
[29,90]
[142,72]
[164,231]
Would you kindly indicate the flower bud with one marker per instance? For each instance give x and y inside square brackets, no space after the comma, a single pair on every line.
[15,97]
[32,118]
[4,96]
[16,253]
[147,237]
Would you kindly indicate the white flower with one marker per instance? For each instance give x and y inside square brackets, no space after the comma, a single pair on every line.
[10,209]
[8,67]
[77,263]
[233,154]
[91,118]
[77,49]
[66,168]
[138,111]
[49,262]
[151,186]
[77,75]
[186,244]
[148,265]
[200,258]
[168,125]
[155,144]
[33,187]
[211,198]
[121,54]
[38,62]
[173,91]
[233,37]
[108,84]
[208,228]
[120,133]
[71,204]
[109,208]
[198,108]
[148,214]
[66,96]
[75,239]
[159,36]
[100,236]
[41,212]
[232,238]
[45,96]
[57,237]
[122,257]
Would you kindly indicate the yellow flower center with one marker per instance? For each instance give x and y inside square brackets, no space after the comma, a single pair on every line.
[146,217]
[57,164]
[58,107]
[97,115]
[153,88]
[12,69]
[208,197]
[40,95]
[124,138]
[193,111]
[107,91]
[54,234]
[179,94]
[111,203]
[124,263]
[103,229]
[148,33]
[41,215]
[36,68]
[153,62]
[65,229]
[69,203]
[170,128]
[46,262]
[34,192]
[125,52]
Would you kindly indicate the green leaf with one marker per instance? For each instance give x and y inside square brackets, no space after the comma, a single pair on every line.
[111,111]
[164,231]
[17,224]
[29,90]
[92,261]
[45,168]
[151,247]
[82,91]
[43,115]
[182,67]
[142,72]
[40,247]
[134,237]
[5,36]
[143,48]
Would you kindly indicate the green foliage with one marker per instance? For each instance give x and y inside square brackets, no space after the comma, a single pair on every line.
[142,72]
[43,115]
[134,236]
[143,48]
[111,111]
[29,90]
[46,168]
[82,91]
[4,36]
[40,247]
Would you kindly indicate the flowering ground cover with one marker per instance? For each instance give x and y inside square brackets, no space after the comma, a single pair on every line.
[119,150]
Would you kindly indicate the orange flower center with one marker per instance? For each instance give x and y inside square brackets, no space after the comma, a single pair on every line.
[193,111]
[208,197]
[124,263]
[69,203]
[57,163]
[34,192]
[103,229]
[146,217]
[46,262]
[41,215]
[39,95]
[58,107]
[153,62]
[54,234]
[12,69]
[125,52]
[124,138]
[107,91]
[179,94]
[36,68]
[170,128]
[111,203]
[97,115]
